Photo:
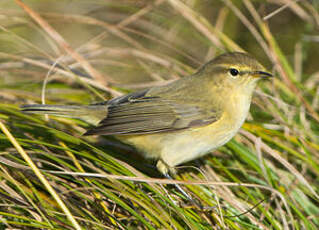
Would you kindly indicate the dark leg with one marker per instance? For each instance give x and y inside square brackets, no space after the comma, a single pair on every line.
[166,171]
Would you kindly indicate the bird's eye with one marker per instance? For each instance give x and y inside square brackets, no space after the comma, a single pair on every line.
[233,72]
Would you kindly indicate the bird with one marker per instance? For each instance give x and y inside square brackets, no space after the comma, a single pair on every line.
[180,121]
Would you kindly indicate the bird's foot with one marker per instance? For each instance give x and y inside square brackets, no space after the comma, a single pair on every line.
[167,171]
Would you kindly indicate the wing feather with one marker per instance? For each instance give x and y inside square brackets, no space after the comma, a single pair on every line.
[139,113]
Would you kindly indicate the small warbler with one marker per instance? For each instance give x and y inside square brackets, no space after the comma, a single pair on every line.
[180,121]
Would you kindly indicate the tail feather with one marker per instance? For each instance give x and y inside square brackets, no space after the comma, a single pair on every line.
[91,113]
[59,110]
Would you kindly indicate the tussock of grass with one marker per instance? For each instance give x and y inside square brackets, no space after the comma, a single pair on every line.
[54,178]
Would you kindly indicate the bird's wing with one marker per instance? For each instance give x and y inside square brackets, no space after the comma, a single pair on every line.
[140,113]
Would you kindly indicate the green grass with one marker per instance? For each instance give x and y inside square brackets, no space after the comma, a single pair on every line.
[51,177]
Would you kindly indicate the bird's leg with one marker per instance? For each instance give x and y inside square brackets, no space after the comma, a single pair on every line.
[166,170]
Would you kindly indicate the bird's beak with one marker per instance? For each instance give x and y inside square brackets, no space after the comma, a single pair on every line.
[261,74]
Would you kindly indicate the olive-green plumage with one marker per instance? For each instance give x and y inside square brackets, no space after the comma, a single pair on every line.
[180,121]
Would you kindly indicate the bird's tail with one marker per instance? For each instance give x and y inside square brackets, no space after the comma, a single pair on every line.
[91,113]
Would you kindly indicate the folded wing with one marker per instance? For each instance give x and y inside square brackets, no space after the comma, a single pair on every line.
[140,113]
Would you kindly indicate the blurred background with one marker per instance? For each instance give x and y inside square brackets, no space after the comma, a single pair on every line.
[81,52]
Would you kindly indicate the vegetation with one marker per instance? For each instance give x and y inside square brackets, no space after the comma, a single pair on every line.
[80,52]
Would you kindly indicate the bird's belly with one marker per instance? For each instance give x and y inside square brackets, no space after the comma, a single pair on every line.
[195,143]
[178,147]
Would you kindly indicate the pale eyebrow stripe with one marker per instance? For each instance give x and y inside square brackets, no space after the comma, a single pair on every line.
[241,72]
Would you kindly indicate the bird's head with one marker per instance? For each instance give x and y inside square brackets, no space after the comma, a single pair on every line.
[234,71]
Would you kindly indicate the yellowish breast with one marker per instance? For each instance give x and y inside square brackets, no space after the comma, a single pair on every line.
[181,146]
